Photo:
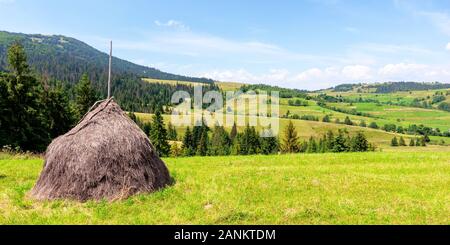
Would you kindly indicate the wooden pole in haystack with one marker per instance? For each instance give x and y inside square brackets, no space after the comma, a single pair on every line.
[109,73]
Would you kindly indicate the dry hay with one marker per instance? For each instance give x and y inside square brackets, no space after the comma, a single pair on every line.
[106,156]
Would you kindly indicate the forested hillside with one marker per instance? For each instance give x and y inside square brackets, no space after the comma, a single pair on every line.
[391,87]
[64,60]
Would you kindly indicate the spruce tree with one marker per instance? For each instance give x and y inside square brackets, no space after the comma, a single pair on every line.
[394,142]
[171,132]
[236,147]
[326,119]
[373,125]
[329,143]
[340,143]
[269,145]
[412,142]
[249,141]
[312,146]
[401,142]
[158,135]
[59,114]
[359,143]
[220,144]
[188,148]
[85,96]
[233,132]
[23,117]
[290,141]
[202,149]
[348,121]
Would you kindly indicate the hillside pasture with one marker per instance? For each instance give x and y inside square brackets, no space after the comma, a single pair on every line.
[306,129]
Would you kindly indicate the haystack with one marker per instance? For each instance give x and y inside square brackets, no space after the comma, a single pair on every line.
[106,156]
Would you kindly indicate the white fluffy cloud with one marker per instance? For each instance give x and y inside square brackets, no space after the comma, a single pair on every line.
[402,69]
[171,23]
[317,78]
[356,72]
[414,72]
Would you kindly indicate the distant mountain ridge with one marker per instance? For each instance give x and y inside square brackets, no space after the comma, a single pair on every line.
[65,58]
[391,87]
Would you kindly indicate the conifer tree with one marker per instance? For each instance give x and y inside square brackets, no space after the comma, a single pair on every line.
[394,142]
[188,148]
[359,143]
[171,132]
[22,115]
[373,125]
[202,149]
[158,135]
[340,143]
[326,119]
[220,144]
[329,144]
[312,145]
[269,144]
[233,132]
[412,142]
[401,142]
[85,96]
[290,141]
[59,114]
[347,121]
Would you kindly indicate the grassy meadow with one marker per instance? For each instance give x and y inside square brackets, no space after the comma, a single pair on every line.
[351,188]
[381,114]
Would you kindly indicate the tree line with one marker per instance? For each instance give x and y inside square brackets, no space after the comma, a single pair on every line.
[35,111]
[217,141]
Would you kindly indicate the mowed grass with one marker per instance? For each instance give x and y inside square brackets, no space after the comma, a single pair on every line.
[354,188]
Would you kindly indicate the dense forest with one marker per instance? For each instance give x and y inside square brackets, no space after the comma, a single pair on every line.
[408,86]
[64,60]
[392,87]
[284,92]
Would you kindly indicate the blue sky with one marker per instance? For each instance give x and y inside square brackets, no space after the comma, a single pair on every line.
[306,44]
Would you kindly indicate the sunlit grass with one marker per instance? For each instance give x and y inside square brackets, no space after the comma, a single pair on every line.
[355,188]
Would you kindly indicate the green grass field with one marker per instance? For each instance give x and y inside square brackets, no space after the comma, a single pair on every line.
[401,115]
[354,188]
[397,97]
